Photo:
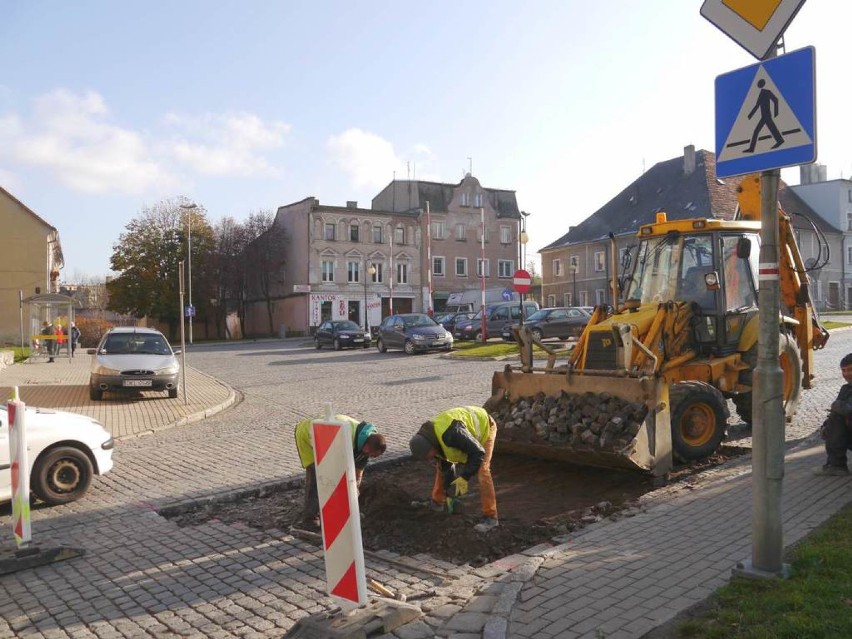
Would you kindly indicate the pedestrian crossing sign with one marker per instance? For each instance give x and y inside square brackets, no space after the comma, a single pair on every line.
[766,115]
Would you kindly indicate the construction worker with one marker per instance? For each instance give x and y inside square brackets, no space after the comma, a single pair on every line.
[461,442]
[367,443]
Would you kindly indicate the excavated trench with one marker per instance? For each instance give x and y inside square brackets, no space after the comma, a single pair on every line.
[537,500]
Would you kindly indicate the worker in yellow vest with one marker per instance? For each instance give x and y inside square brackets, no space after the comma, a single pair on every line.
[461,442]
[367,443]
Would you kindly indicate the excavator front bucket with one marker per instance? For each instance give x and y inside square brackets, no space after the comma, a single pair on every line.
[594,418]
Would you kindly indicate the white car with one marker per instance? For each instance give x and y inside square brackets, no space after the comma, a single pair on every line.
[64,451]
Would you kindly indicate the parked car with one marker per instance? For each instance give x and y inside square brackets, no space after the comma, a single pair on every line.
[132,358]
[449,320]
[562,322]
[341,334]
[64,451]
[496,317]
[413,332]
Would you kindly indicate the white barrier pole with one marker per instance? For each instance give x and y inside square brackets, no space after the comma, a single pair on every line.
[20,470]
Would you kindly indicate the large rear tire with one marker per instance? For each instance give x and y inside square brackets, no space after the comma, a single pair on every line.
[699,416]
[791,367]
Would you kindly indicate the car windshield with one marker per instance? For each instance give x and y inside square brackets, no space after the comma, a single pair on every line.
[418,320]
[346,325]
[135,344]
[443,317]
[538,315]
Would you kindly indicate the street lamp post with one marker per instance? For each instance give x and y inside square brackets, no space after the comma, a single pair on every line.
[189,208]
[368,272]
[574,301]
[523,238]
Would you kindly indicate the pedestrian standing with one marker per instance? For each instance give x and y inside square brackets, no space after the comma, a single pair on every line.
[367,443]
[836,430]
[49,341]
[75,337]
[461,442]
[60,337]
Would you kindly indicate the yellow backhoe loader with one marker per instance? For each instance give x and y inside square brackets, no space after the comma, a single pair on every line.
[648,381]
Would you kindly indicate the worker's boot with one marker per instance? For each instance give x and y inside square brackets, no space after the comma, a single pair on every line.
[834,471]
[486,524]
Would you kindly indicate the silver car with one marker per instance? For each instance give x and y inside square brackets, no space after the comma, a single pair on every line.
[131,358]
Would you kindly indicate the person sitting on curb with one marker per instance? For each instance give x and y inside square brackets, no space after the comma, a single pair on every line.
[367,443]
[462,436]
[836,430]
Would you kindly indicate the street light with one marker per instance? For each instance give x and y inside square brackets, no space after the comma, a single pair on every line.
[189,208]
[367,272]
[523,238]
[574,277]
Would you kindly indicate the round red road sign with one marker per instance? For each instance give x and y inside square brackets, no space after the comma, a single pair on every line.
[522,281]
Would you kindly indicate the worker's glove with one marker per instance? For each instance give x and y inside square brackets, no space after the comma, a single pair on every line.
[459,487]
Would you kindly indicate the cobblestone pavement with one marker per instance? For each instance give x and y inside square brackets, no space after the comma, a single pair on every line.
[144,576]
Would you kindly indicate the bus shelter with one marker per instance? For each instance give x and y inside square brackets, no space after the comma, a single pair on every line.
[49,325]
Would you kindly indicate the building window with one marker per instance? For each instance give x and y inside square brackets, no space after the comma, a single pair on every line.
[849,254]
[505,235]
[584,298]
[354,233]
[567,299]
[479,267]
[575,263]
[461,266]
[465,199]
[438,230]
[849,221]
[402,273]
[329,230]
[461,229]
[378,276]
[505,268]
[353,272]
[327,271]
[399,235]
[600,261]
[557,268]
[438,266]
[477,200]
[849,194]
[551,300]
[377,234]
[599,296]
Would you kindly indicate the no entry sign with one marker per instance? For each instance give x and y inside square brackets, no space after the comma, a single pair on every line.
[522,281]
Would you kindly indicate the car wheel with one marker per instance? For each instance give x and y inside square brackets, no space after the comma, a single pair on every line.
[409,347]
[536,334]
[318,345]
[61,475]
[337,345]
[478,337]
[380,346]
[95,394]
[173,392]
[367,344]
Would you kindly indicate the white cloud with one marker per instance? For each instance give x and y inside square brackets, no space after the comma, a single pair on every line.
[70,136]
[368,159]
[73,137]
[226,144]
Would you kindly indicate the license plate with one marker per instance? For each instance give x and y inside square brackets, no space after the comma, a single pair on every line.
[136,382]
[357,339]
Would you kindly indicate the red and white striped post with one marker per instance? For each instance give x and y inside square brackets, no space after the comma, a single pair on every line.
[341,521]
[20,470]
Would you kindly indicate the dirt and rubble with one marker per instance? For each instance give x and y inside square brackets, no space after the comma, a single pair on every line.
[537,501]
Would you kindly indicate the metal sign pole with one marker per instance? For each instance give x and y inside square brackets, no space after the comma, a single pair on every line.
[182,340]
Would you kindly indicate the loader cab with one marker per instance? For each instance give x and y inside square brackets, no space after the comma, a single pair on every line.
[713,271]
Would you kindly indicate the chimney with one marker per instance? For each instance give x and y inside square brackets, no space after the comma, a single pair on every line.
[689,159]
[351,204]
[822,172]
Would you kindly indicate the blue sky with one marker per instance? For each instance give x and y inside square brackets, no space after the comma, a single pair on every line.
[106,107]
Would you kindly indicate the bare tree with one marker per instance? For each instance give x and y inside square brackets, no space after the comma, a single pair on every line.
[264,259]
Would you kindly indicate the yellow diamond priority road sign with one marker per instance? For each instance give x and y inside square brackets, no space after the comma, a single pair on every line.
[756,25]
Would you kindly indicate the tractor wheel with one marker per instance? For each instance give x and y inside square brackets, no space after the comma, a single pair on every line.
[699,416]
[791,367]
